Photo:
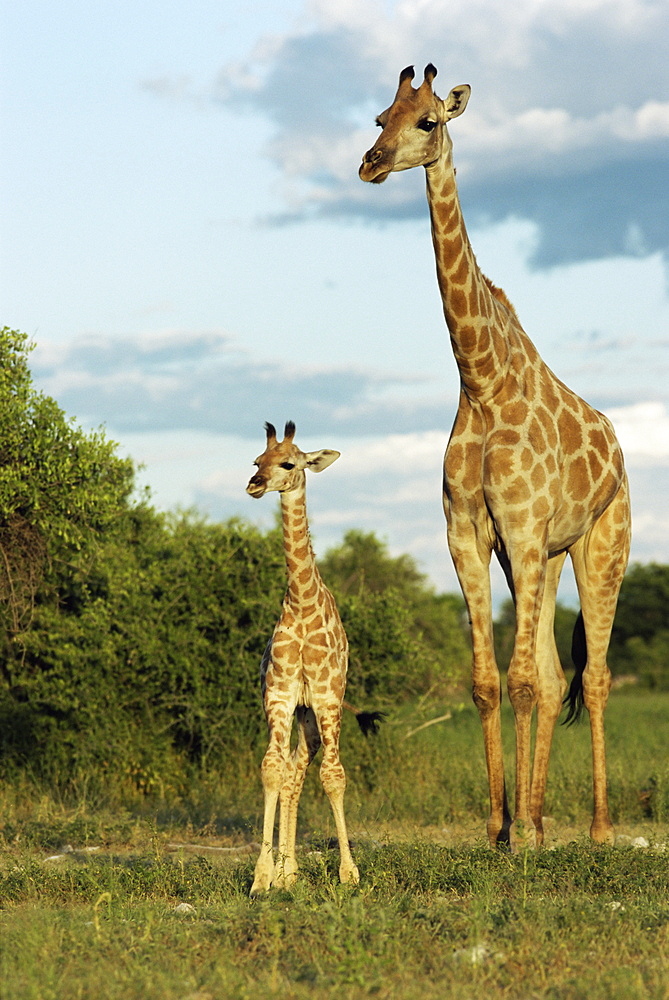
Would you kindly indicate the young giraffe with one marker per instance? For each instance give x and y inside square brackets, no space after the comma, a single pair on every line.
[303,670]
[531,472]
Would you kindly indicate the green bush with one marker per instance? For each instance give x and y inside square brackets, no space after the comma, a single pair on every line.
[151,649]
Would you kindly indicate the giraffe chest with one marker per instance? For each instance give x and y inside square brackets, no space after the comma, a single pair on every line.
[301,669]
[308,646]
[547,465]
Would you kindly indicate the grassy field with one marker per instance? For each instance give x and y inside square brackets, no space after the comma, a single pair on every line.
[150,900]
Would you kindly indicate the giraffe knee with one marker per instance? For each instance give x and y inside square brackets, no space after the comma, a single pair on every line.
[273,769]
[522,695]
[487,698]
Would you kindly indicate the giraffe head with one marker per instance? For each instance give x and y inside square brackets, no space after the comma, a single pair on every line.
[413,127]
[282,465]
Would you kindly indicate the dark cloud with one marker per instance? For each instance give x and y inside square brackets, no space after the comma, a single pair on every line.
[618,208]
[306,87]
[595,185]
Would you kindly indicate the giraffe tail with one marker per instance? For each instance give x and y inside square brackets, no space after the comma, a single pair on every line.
[574,697]
[368,721]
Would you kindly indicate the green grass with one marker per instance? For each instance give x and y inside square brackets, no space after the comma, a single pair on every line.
[437,913]
[427,921]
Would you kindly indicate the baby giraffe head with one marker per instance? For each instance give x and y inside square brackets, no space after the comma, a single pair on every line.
[413,127]
[282,465]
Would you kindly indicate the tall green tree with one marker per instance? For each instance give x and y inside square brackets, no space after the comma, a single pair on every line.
[362,563]
[59,486]
[143,657]
[643,604]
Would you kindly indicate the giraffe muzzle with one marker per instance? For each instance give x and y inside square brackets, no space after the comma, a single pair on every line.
[257,486]
[373,168]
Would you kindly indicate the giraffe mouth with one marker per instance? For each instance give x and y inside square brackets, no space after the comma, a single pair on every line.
[256,490]
[372,172]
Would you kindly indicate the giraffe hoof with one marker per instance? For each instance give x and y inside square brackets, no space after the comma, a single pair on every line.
[258,891]
[262,880]
[604,834]
[285,880]
[498,833]
[349,876]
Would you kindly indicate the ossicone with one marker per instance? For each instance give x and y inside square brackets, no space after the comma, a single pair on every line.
[406,76]
[430,73]
[270,430]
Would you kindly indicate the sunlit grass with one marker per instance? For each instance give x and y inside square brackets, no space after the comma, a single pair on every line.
[437,913]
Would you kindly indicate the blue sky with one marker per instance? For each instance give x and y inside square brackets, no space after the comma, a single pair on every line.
[186,240]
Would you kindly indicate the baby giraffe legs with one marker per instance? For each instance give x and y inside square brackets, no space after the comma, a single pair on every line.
[283,775]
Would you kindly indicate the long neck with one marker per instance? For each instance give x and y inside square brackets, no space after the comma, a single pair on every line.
[303,576]
[471,311]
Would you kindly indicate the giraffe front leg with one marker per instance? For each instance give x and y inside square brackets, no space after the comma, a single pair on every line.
[308,744]
[552,686]
[473,574]
[273,771]
[529,572]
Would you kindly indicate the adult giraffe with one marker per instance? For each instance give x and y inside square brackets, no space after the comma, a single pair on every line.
[531,472]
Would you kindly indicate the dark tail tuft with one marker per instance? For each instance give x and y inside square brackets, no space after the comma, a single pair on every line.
[369,721]
[579,654]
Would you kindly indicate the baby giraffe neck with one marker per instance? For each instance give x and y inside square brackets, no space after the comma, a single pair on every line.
[303,575]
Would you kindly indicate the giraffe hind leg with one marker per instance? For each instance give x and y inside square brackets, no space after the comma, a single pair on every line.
[333,778]
[600,560]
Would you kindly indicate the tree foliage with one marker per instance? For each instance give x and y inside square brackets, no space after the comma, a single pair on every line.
[361,563]
[152,650]
[58,485]
[404,638]
[640,637]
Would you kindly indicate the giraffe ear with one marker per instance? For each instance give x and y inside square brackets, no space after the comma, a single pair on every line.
[456,102]
[319,460]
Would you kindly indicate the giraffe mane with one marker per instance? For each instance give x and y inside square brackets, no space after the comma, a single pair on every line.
[501,296]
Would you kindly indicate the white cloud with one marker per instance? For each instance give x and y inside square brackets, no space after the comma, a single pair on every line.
[643,432]
[557,91]
[405,453]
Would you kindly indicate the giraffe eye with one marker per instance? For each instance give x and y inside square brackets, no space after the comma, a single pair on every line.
[287,466]
[426,125]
